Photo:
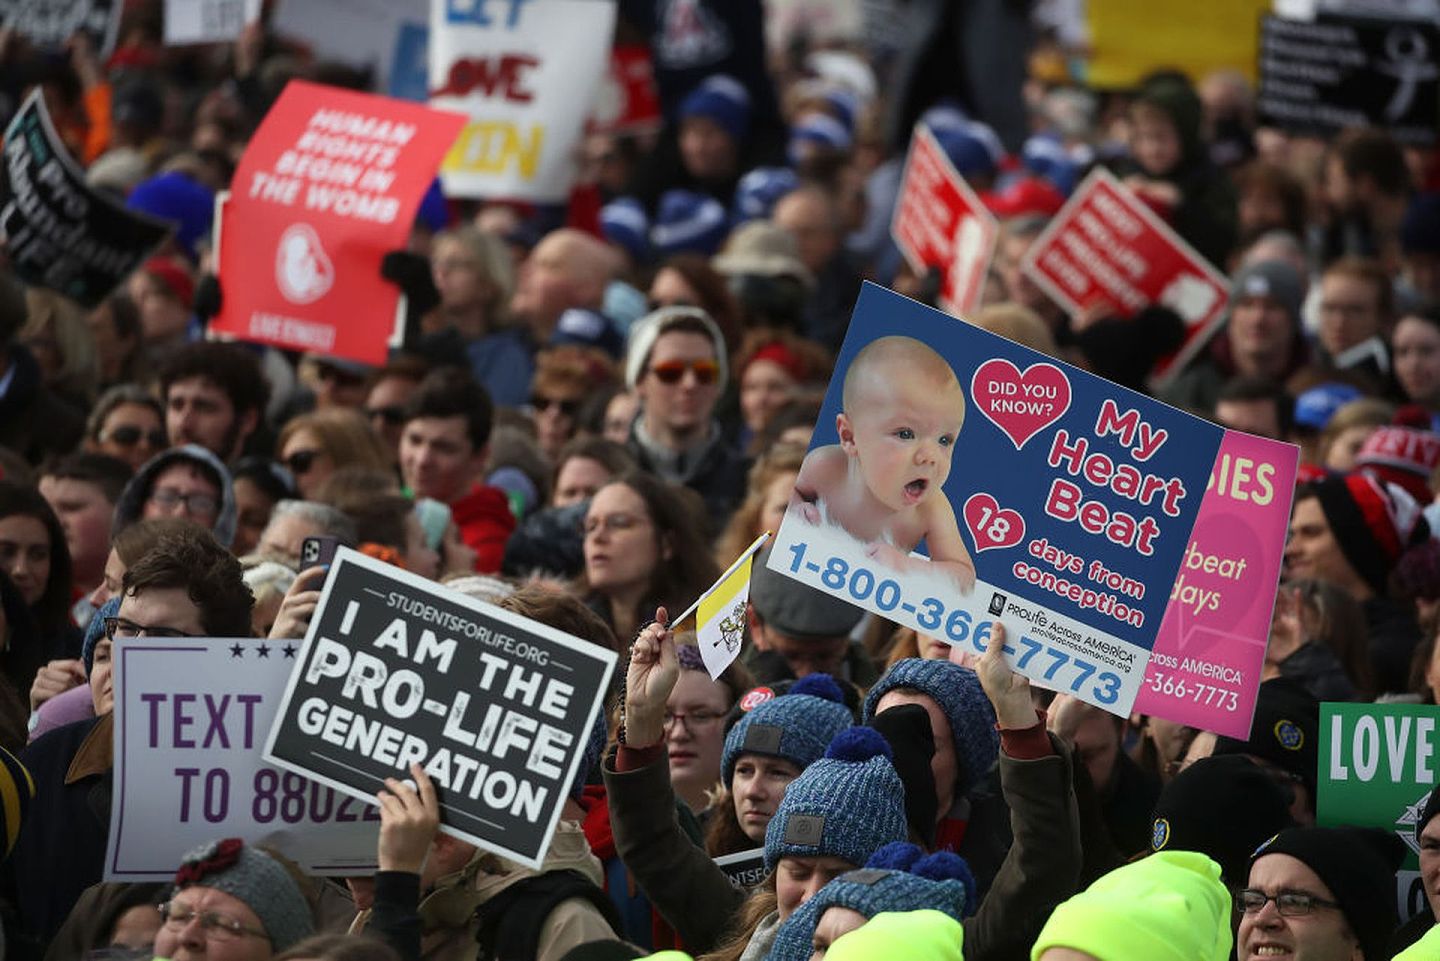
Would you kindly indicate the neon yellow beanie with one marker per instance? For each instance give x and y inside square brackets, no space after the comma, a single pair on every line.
[1426,949]
[902,936]
[1169,906]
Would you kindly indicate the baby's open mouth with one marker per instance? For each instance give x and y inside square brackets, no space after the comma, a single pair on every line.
[916,488]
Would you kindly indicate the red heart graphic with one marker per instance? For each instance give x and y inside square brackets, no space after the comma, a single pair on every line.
[990,526]
[1021,405]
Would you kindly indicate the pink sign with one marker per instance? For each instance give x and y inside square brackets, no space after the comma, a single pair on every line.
[1205,667]
[1107,246]
[940,222]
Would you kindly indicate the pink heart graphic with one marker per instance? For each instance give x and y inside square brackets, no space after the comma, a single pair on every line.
[990,526]
[1021,405]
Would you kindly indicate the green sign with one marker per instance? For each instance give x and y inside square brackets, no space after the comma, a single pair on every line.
[1378,763]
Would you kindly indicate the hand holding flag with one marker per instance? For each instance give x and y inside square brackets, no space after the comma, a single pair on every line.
[720,612]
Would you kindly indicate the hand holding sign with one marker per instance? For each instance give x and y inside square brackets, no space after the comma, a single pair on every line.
[409,821]
[1008,691]
[654,669]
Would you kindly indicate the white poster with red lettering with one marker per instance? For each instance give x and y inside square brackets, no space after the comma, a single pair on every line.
[525,73]
[1107,248]
[628,100]
[940,222]
[329,184]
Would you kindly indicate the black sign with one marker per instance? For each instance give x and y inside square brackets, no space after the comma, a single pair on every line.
[496,708]
[60,233]
[50,23]
[1340,72]
[744,869]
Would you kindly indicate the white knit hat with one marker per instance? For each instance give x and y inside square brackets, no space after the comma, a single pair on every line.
[648,328]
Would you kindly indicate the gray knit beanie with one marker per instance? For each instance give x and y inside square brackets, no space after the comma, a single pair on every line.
[256,878]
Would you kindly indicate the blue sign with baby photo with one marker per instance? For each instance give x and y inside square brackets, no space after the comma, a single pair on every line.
[956,479]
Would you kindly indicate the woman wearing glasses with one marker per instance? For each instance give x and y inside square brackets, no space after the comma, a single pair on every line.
[128,423]
[564,378]
[643,549]
[314,446]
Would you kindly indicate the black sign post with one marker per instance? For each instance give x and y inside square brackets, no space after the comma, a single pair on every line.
[58,232]
[1338,72]
[495,707]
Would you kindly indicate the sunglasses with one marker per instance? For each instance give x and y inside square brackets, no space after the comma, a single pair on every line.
[673,371]
[394,416]
[301,461]
[567,407]
[128,436]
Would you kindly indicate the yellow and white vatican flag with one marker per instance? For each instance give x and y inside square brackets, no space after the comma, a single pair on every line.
[720,612]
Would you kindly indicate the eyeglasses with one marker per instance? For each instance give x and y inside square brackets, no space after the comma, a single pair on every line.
[1290,904]
[671,371]
[128,436]
[217,927]
[693,720]
[122,627]
[394,416]
[167,498]
[301,461]
[615,522]
[567,407]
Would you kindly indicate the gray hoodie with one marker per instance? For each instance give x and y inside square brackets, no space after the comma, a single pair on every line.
[132,500]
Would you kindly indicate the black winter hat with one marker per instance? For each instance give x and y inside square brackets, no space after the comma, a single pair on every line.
[912,741]
[1223,807]
[1358,865]
[1285,731]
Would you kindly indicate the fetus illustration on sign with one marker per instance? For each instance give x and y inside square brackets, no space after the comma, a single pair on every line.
[303,270]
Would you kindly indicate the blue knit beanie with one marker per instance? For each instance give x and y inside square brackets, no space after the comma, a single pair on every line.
[688,222]
[823,131]
[760,190]
[594,747]
[96,629]
[723,99]
[899,877]
[624,223]
[175,197]
[846,805]
[960,697]
[796,726]
[969,153]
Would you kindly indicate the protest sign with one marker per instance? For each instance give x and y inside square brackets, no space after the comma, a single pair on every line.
[1106,246]
[50,24]
[207,21]
[1066,515]
[940,222]
[1378,765]
[1205,668]
[745,869]
[57,231]
[1339,72]
[328,185]
[525,73]
[1127,41]
[368,35]
[190,719]
[495,707]
[628,101]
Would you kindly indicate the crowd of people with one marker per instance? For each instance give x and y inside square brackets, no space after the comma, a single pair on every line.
[599,404]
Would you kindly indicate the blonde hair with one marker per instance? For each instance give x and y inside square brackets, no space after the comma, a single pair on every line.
[1361,412]
[345,436]
[63,320]
[741,530]
[494,259]
[1018,323]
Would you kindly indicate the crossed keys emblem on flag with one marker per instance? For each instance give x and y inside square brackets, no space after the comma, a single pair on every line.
[732,627]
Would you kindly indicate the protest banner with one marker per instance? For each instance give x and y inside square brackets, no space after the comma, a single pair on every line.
[57,231]
[190,719]
[940,222]
[49,24]
[368,35]
[1378,764]
[1337,72]
[628,100]
[207,21]
[745,869]
[1204,670]
[525,73]
[1107,246]
[1127,41]
[328,185]
[495,707]
[1066,517]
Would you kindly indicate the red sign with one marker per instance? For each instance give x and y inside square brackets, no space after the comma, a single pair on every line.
[628,101]
[940,222]
[1106,246]
[330,183]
